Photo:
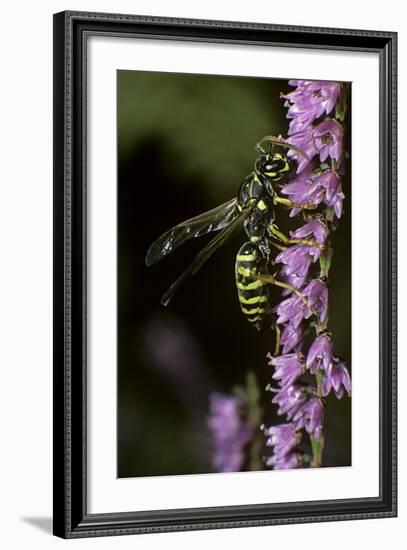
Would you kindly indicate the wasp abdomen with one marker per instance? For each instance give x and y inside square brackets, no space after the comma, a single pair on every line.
[251,292]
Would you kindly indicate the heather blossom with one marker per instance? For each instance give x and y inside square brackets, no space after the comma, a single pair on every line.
[316,295]
[289,400]
[305,369]
[326,140]
[283,437]
[303,189]
[306,103]
[309,101]
[296,262]
[229,432]
[304,141]
[331,183]
[291,338]
[320,354]
[288,367]
[316,228]
[336,378]
[321,186]
[310,416]
[284,462]
[294,310]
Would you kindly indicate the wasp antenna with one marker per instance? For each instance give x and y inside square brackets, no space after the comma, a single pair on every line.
[279,141]
[260,149]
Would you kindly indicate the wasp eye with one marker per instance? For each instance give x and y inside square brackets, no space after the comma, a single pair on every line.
[269,167]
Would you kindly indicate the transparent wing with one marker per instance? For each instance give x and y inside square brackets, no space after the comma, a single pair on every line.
[205,254]
[213,220]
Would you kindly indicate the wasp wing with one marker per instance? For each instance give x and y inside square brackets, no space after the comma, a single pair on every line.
[205,254]
[213,220]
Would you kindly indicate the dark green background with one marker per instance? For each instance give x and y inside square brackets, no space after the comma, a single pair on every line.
[185,143]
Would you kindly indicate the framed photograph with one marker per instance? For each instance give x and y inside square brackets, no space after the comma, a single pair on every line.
[225,274]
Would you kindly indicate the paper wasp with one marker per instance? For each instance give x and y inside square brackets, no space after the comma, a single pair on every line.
[254,207]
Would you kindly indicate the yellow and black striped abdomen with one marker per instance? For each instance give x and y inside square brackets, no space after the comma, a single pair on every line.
[251,292]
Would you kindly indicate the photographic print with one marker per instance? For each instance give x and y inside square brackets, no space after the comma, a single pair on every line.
[234,274]
[222,322]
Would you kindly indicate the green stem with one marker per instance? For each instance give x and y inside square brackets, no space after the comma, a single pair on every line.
[255,462]
[317,446]
[319,374]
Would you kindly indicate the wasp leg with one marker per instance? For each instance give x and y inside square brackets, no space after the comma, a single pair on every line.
[267,278]
[277,346]
[278,246]
[286,240]
[287,202]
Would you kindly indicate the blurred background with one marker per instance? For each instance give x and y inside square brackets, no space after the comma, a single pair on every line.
[185,143]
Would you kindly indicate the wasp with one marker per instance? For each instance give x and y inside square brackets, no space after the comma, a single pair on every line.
[254,207]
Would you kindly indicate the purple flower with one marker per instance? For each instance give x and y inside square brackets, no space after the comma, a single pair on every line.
[309,188]
[293,309]
[301,117]
[297,258]
[331,183]
[316,293]
[336,378]
[304,190]
[291,337]
[320,354]
[309,101]
[309,93]
[230,434]
[285,462]
[283,438]
[300,88]
[295,279]
[289,399]
[318,139]
[315,227]
[310,416]
[324,94]
[296,262]
[297,83]
[288,367]
[304,141]
[301,120]
[328,139]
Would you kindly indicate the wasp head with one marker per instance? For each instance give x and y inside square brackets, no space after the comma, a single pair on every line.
[273,167]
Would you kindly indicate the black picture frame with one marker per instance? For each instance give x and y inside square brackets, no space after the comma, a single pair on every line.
[71,518]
